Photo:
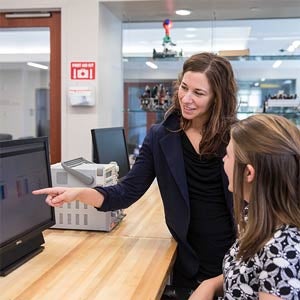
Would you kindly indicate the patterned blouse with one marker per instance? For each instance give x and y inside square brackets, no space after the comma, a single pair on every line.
[274,270]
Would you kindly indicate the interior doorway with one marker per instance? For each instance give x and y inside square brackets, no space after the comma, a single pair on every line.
[30,79]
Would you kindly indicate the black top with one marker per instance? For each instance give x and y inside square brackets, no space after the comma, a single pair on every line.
[161,156]
[210,231]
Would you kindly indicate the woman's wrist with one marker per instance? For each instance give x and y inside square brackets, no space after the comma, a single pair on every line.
[90,196]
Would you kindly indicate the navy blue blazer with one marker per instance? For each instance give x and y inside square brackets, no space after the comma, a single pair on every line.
[161,156]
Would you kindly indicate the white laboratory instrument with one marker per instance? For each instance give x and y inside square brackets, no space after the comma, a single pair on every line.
[80,172]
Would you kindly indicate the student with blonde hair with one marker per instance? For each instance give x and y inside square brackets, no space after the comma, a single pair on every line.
[263,167]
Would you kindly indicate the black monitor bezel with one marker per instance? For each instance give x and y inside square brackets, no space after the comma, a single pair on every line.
[38,228]
[95,153]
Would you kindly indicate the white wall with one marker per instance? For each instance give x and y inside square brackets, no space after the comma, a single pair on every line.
[85,39]
[79,43]
[110,71]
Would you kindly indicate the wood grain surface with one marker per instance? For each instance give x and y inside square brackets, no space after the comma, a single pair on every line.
[131,262]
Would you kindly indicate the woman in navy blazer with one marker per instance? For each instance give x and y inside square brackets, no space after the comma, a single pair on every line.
[185,154]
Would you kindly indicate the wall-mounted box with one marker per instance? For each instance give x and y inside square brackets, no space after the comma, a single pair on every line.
[81,96]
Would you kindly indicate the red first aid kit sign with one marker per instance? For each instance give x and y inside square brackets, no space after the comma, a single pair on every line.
[83,70]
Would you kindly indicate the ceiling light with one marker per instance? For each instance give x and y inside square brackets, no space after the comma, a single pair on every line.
[27,15]
[190,29]
[291,48]
[183,12]
[277,63]
[262,79]
[151,65]
[276,38]
[190,35]
[35,65]
[296,44]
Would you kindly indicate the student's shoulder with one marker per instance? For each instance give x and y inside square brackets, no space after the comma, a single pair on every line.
[285,243]
[280,263]
[289,233]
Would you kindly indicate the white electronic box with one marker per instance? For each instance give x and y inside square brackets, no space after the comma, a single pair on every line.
[80,172]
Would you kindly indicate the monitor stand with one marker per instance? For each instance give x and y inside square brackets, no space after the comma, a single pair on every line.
[17,256]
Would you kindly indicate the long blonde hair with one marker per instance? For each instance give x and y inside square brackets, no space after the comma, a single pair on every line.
[271,144]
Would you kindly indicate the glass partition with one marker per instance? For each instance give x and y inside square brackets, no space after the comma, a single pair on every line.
[24,82]
[265,55]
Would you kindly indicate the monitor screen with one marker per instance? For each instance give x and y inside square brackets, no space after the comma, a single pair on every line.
[109,144]
[24,167]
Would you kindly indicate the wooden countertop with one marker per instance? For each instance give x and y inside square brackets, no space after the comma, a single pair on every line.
[131,262]
[145,218]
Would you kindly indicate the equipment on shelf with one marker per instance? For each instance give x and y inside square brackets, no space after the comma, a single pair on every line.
[282,103]
[156,99]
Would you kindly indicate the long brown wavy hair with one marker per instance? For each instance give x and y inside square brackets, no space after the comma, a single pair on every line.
[222,113]
[271,144]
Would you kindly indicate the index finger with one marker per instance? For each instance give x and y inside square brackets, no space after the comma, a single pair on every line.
[44,191]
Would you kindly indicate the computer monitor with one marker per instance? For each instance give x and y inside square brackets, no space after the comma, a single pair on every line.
[24,167]
[109,144]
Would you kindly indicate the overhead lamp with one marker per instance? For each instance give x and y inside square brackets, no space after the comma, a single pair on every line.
[28,15]
[190,35]
[277,63]
[35,65]
[190,29]
[151,65]
[291,48]
[183,12]
[255,9]
[296,44]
